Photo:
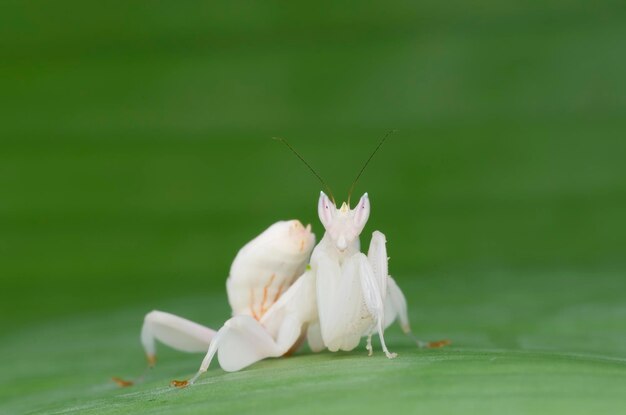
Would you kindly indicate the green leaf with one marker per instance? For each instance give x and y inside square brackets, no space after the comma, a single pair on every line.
[514,351]
[135,160]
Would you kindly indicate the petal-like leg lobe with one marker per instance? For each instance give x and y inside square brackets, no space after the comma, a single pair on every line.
[395,306]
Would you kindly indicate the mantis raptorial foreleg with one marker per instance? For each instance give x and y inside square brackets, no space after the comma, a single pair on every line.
[342,316]
[349,296]
[377,257]
[373,296]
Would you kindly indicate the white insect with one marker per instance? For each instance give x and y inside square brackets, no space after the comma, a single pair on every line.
[277,300]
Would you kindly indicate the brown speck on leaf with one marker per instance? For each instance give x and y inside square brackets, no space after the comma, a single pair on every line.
[121,382]
[439,343]
[179,383]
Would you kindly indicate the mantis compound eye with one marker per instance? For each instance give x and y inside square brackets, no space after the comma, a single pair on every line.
[325,210]
[362,212]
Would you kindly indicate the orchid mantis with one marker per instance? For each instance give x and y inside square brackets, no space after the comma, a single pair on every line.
[284,289]
[277,300]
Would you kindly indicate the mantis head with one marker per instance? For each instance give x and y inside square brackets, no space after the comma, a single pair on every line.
[343,225]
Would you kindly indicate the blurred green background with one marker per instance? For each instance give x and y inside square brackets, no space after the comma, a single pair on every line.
[136,159]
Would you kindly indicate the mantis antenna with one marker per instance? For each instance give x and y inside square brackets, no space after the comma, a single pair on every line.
[282,140]
[368,162]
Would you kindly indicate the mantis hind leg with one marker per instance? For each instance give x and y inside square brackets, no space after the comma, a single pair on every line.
[175,332]
[374,299]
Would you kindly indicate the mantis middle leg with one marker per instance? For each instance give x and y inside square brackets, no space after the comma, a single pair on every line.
[242,340]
